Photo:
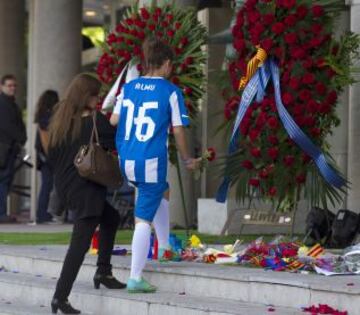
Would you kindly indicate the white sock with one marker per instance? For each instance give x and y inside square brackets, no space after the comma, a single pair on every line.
[161,224]
[140,248]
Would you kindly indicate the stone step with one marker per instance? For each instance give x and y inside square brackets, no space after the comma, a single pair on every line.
[35,290]
[228,282]
[13,308]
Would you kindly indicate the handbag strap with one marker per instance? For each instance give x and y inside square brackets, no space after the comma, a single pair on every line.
[94,133]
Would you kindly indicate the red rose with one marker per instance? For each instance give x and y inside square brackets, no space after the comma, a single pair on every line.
[151,27]
[169,17]
[227,113]
[254,16]
[239,44]
[308,78]
[268,18]
[332,97]
[158,11]
[155,18]
[264,173]
[254,134]
[305,95]
[289,3]
[279,52]
[308,63]
[298,110]
[273,152]
[320,88]
[287,98]
[129,21]
[325,108]
[312,106]
[184,41]
[141,35]
[317,10]
[144,13]
[178,51]
[187,90]
[289,160]
[315,132]
[309,121]
[273,123]
[267,44]
[257,30]
[212,154]
[278,28]
[301,178]
[273,139]
[164,24]
[261,119]
[170,33]
[159,34]
[315,42]
[294,83]
[175,80]
[297,53]
[247,164]
[316,28]
[306,158]
[177,25]
[254,182]
[272,191]
[255,152]
[290,38]
[137,50]
[139,67]
[302,11]
[290,20]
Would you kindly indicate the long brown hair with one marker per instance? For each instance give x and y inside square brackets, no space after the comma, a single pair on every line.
[156,52]
[45,105]
[68,112]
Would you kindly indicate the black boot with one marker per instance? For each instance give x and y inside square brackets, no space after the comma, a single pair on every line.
[64,307]
[108,281]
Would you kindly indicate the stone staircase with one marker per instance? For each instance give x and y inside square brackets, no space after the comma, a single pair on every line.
[184,288]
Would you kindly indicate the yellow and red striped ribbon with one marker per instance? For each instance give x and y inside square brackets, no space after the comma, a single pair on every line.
[314,252]
[254,63]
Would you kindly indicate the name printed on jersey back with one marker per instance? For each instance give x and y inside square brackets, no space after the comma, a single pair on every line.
[145,87]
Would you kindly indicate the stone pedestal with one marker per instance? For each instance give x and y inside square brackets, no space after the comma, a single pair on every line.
[54,57]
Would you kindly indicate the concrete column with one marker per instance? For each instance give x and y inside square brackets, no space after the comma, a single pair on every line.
[354,127]
[339,140]
[216,20]
[54,57]
[12,43]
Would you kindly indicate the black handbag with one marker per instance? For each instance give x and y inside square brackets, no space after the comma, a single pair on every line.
[4,154]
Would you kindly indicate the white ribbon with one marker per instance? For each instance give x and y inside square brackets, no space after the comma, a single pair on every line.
[131,74]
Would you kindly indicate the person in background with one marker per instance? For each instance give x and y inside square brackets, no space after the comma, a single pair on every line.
[44,110]
[145,109]
[12,138]
[70,128]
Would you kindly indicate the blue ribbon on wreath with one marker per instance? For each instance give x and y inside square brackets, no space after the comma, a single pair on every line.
[256,86]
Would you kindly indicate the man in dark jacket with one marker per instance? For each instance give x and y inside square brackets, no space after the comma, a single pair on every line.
[12,138]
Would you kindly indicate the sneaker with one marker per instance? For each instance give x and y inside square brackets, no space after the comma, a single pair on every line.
[165,255]
[141,286]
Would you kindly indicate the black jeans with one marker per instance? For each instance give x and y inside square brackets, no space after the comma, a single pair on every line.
[79,245]
[47,184]
[6,177]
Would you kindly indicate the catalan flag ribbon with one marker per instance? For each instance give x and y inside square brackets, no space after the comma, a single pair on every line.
[256,87]
[314,252]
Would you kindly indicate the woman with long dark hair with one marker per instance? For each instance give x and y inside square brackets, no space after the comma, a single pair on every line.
[71,126]
[44,110]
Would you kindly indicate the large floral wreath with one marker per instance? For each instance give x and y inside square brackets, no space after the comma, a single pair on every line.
[314,68]
[180,29]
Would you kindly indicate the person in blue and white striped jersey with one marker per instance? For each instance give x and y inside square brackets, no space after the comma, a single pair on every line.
[144,112]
